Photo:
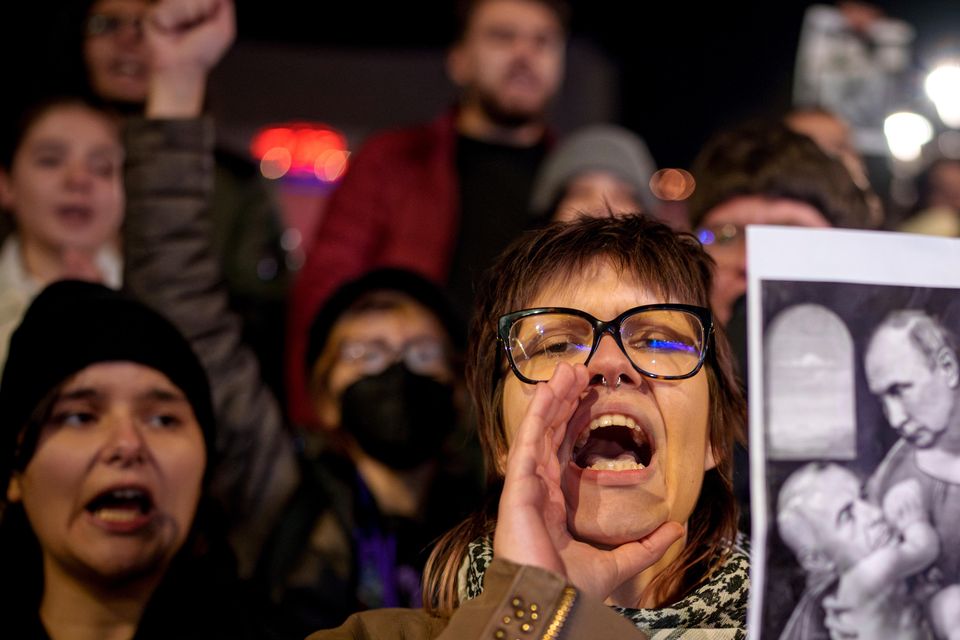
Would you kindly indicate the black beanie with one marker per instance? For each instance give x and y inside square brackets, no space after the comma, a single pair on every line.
[402,281]
[74,324]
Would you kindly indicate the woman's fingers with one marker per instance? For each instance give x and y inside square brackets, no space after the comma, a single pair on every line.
[633,557]
[531,507]
[569,402]
[177,15]
[550,406]
[198,31]
[523,455]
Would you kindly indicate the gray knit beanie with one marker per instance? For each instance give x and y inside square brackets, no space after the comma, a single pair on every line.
[601,147]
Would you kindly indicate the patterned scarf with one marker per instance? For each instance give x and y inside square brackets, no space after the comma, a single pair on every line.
[717,609]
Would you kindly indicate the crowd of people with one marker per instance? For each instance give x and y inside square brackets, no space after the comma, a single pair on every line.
[501,397]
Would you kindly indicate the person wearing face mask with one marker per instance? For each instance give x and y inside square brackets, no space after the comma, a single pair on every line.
[381,481]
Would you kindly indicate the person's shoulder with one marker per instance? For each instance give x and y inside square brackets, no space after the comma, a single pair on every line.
[412,140]
[234,165]
[383,624]
[731,581]
[741,546]
[16,289]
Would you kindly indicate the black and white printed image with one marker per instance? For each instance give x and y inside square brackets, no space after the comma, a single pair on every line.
[861,388]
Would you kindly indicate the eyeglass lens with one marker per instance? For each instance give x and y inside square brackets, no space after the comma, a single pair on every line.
[102,24]
[424,356]
[661,342]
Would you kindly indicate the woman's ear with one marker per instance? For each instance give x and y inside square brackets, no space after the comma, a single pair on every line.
[14,492]
[709,462]
[327,410]
[949,366]
[456,63]
[502,464]
[6,191]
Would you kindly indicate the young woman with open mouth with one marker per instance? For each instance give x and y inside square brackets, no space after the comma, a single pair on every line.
[106,440]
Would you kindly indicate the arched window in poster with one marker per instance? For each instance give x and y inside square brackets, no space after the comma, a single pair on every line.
[809,385]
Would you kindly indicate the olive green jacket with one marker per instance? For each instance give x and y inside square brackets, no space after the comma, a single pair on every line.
[518,601]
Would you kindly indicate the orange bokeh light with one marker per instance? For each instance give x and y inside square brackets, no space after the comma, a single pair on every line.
[672,184]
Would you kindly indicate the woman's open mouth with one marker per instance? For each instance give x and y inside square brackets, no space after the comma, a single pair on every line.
[128,68]
[613,442]
[75,215]
[122,508]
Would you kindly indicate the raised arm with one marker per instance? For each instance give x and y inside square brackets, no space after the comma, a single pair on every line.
[169,263]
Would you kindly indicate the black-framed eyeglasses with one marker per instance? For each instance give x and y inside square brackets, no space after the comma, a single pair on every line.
[107,24]
[666,341]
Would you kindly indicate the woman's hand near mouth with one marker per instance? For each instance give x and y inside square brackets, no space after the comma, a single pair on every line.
[532,520]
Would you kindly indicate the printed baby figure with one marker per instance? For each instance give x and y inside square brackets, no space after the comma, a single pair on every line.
[868,552]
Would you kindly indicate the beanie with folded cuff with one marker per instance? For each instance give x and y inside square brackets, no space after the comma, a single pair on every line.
[602,147]
[71,325]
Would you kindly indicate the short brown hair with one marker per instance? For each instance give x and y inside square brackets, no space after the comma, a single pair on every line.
[673,266]
[466,9]
[769,159]
[13,133]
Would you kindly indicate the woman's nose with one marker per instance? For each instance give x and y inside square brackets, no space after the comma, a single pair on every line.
[610,366]
[78,177]
[125,444]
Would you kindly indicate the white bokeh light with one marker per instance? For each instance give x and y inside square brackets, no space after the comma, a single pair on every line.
[906,134]
[943,87]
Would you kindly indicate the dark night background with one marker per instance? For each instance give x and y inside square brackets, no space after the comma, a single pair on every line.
[685,69]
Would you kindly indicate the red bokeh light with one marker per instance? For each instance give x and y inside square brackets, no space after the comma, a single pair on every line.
[301,150]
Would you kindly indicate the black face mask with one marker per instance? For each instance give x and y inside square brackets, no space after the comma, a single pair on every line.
[398,417]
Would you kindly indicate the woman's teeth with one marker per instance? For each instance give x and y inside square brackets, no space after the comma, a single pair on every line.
[129,68]
[117,515]
[624,448]
[623,462]
[611,420]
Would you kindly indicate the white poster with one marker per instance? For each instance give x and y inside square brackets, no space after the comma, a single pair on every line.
[854,434]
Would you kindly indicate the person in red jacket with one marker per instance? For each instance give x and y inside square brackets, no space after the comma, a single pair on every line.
[443,198]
